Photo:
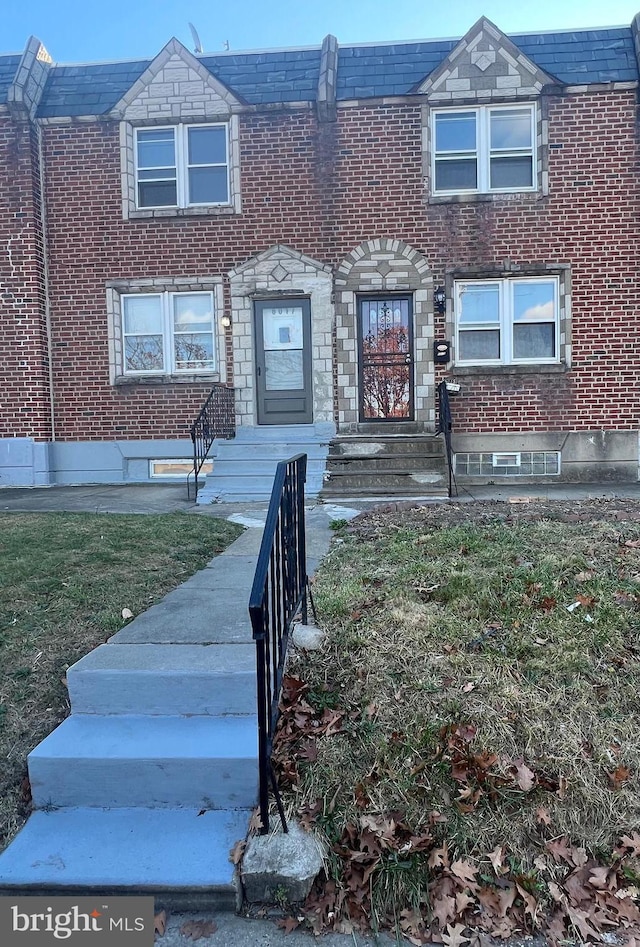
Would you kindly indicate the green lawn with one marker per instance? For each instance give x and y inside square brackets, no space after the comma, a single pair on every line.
[65,579]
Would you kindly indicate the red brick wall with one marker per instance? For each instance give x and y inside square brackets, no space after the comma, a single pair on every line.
[92,244]
[590,219]
[24,386]
[325,190]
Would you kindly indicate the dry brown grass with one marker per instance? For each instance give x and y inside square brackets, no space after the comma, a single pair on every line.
[457,616]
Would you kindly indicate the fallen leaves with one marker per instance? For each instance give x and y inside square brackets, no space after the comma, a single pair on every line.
[160,923]
[619,777]
[237,852]
[525,777]
[195,930]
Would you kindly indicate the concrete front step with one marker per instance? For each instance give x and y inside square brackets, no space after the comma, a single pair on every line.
[382,461]
[397,445]
[384,481]
[195,614]
[96,761]
[269,450]
[244,468]
[426,493]
[180,855]
[170,679]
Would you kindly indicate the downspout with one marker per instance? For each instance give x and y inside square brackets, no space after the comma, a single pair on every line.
[45,267]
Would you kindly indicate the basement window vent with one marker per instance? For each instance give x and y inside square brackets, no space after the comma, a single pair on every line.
[176,469]
[507,464]
[506,460]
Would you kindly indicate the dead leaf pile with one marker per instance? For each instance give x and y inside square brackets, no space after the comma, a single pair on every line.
[299,727]
[464,899]
[569,895]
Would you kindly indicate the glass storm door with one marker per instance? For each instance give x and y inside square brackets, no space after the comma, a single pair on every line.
[386,361]
[283,361]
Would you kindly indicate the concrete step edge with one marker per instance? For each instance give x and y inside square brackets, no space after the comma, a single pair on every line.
[133,851]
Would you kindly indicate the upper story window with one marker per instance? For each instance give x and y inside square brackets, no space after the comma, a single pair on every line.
[484,150]
[182,166]
[167,333]
[507,321]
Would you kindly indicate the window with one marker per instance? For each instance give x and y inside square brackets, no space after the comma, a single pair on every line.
[182,166]
[523,464]
[506,321]
[484,149]
[166,333]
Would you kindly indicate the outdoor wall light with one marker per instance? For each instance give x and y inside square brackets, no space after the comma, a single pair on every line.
[440,299]
[225,322]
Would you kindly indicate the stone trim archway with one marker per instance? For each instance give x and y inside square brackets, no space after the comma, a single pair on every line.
[281,272]
[383,265]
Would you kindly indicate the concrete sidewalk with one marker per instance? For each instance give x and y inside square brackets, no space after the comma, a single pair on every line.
[169,498]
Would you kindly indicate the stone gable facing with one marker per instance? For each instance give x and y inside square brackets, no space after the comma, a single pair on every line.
[485,65]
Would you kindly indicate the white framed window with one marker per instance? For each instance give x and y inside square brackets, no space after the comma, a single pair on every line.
[483,150]
[182,166]
[507,321]
[168,333]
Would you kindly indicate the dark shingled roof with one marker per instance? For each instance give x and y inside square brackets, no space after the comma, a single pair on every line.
[573,57]
[287,76]
[587,56]
[88,90]
[8,67]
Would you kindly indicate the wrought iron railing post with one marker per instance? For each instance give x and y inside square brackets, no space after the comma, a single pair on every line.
[278,596]
[215,419]
[445,427]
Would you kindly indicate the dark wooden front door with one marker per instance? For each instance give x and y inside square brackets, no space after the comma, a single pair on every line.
[386,358]
[283,361]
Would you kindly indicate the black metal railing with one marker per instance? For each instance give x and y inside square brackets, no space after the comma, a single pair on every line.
[214,420]
[278,595]
[445,427]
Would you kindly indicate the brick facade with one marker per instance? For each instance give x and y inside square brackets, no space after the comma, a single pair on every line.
[322,188]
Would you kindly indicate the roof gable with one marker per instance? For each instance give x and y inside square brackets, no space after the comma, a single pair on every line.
[485,64]
[174,86]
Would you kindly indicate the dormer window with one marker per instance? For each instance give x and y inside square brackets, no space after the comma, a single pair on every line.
[182,166]
[484,150]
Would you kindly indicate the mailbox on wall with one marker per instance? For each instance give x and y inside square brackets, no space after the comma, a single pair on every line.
[441,352]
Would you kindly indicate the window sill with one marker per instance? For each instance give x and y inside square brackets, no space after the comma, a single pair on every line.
[171,212]
[557,369]
[123,381]
[504,196]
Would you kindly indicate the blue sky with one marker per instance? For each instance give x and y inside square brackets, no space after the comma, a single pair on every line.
[90,30]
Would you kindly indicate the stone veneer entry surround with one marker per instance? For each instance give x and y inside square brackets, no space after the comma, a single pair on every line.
[281,272]
[383,266]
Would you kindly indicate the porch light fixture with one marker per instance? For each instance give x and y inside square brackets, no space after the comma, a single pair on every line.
[225,322]
[440,299]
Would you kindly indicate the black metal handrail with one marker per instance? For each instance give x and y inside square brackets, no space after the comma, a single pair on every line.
[278,595]
[214,420]
[445,427]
